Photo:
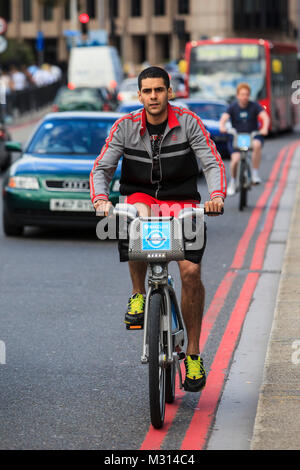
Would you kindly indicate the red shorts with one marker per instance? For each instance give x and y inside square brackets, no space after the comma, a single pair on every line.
[160,208]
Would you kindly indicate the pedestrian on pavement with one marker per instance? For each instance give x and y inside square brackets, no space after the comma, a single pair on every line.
[18,78]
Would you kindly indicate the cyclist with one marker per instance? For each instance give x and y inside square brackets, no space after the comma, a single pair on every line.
[159,144]
[244,115]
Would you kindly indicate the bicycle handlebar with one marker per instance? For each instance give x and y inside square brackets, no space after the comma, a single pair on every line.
[234,132]
[129,211]
[242,145]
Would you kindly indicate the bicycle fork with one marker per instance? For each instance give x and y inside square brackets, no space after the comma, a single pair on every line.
[244,165]
[173,338]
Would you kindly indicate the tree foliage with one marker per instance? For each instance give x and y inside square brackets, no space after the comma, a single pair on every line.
[17,52]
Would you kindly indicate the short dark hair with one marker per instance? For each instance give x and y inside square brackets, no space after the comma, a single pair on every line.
[154,72]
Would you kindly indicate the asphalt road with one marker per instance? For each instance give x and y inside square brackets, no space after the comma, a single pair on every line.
[73,377]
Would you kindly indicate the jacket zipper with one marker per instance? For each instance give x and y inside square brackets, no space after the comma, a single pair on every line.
[151,156]
[161,176]
[156,192]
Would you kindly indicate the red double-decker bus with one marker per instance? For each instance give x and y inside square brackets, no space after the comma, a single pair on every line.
[216,67]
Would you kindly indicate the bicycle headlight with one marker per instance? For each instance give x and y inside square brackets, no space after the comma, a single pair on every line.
[157,269]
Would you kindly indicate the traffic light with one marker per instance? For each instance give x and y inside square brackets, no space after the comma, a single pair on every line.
[84,21]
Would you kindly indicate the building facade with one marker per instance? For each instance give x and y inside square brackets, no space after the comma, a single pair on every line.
[150,30]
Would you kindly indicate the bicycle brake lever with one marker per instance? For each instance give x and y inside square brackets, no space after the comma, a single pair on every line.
[102,213]
[214,213]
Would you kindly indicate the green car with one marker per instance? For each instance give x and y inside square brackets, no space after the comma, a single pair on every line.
[49,184]
[82,99]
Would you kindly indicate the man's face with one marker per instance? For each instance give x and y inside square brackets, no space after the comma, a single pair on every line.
[154,95]
[243,97]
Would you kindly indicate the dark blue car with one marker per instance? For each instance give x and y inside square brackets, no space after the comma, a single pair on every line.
[210,113]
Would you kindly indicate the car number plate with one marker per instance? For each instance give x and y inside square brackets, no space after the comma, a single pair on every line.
[71,205]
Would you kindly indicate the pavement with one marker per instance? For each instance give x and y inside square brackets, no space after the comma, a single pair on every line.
[30,117]
[277,423]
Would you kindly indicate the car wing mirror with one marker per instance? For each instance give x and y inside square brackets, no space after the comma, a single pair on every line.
[13,146]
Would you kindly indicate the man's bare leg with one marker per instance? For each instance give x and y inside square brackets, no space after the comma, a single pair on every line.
[235,157]
[192,303]
[138,269]
[256,154]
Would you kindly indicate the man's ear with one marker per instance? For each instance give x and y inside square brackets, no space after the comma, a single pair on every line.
[140,97]
[170,93]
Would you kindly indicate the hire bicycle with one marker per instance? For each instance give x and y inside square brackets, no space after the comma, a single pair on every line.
[157,241]
[242,143]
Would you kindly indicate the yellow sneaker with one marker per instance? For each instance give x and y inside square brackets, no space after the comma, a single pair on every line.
[195,378]
[134,317]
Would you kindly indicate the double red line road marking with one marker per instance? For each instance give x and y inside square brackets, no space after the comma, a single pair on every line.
[197,433]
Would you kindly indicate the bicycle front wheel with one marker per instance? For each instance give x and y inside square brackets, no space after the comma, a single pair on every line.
[157,370]
[243,186]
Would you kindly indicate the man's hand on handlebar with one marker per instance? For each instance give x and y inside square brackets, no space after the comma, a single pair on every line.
[214,207]
[102,207]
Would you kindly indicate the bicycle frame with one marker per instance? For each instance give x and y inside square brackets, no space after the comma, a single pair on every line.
[158,274]
[243,143]
[245,157]
[175,338]
[157,241]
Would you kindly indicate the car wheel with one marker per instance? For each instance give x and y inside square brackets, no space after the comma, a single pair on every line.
[10,228]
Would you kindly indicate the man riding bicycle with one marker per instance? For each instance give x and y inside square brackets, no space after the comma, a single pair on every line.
[244,115]
[159,144]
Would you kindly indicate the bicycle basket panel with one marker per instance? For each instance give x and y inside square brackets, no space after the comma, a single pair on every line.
[156,236]
[244,140]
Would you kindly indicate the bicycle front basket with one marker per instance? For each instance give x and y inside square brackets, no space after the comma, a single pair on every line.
[244,141]
[156,239]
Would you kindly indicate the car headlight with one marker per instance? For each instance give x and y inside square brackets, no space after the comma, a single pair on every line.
[116,186]
[23,182]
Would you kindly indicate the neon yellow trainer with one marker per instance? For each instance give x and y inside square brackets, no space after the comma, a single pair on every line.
[134,317]
[195,378]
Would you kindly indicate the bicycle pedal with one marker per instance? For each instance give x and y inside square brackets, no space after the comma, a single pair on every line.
[181,356]
[134,327]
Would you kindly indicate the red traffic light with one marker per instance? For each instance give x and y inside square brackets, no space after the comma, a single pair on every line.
[84,18]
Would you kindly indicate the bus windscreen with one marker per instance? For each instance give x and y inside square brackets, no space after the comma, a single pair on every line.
[217,69]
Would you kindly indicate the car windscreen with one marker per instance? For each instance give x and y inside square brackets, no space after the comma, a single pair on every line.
[130,85]
[67,96]
[208,110]
[70,137]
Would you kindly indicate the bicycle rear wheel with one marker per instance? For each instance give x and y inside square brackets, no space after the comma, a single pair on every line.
[157,370]
[171,368]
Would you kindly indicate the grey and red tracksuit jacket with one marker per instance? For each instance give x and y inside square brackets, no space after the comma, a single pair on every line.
[184,140]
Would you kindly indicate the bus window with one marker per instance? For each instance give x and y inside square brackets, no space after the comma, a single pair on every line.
[278,83]
[217,69]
